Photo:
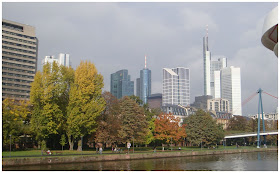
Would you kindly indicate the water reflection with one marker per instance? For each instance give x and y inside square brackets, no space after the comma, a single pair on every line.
[258,161]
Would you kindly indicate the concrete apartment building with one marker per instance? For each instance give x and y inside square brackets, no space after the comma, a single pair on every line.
[19,59]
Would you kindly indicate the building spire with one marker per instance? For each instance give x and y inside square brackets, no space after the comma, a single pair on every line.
[145,62]
[207,30]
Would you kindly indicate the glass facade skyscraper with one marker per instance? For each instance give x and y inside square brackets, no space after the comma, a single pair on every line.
[215,68]
[145,85]
[121,85]
[176,86]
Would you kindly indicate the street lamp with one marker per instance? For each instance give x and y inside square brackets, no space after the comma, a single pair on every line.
[10,144]
[171,143]
[133,143]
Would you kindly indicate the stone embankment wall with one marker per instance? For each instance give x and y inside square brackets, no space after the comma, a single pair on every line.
[115,157]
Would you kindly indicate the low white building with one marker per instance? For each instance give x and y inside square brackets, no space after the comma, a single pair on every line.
[63,59]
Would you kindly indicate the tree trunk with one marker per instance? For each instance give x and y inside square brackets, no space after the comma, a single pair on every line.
[71,143]
[79,145]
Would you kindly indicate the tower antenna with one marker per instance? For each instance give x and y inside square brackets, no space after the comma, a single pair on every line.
[207,30]
[145,61]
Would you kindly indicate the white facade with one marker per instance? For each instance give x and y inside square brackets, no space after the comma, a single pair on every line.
[218,105]
[63,59]
[217,85]
[176,86]
[216,65]
[231,88]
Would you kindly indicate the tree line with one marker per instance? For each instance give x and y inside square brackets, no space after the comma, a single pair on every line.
[67,107]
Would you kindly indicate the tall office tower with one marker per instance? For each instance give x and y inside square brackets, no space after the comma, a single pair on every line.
[176,86]
[231,88]
[145,83]
[63,59]
[121,84]
[19,59]
[138,87]
[206,65]
[215,67]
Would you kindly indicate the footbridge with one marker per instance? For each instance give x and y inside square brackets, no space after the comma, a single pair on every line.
[244,135]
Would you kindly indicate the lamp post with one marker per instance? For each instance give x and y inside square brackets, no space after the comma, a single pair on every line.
[133,143]
[81,144]
[10,144]
[171,143]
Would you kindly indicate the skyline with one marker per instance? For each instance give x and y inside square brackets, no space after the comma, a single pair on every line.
[123,33]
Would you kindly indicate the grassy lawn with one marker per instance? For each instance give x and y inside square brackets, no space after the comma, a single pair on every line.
[137,150]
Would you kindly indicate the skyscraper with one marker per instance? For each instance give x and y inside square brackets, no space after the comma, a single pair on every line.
[231,88]
[176,86]
[138,87]
[63,59]
[19,59]
[145,83]
[215,67]
[121,85]
[206,65]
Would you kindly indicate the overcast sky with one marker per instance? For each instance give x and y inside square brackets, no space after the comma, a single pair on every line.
[117,36]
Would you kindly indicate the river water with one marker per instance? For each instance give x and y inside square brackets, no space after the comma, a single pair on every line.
[256,161]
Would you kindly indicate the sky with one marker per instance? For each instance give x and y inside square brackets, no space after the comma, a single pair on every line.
[118,35]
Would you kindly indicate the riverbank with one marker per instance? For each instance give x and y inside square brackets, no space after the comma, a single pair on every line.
[117,157]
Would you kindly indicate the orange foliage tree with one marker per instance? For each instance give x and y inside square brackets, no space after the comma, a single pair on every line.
[167,127]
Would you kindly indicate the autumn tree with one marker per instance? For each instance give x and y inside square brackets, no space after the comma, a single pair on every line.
[15,119]
[237,123]
[167,127]
[201,127]
[133,121]
[49,97]
[109,121]
[85,103]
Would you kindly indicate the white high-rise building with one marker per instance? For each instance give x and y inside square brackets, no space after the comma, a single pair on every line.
[176,86]
[215,67]
[63,59]
[231,88]
[206,66]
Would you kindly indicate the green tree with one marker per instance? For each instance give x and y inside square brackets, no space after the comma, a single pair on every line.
[134,123]
[136,99]
[237,123]
[15,119]
[62,141]
[85,102]
[201,127]
[49,97]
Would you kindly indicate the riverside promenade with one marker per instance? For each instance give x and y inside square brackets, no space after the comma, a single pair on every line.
[6,162]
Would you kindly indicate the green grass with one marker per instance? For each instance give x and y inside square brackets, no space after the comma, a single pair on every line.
[137,150]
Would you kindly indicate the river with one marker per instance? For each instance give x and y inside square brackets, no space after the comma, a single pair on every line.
[255,161]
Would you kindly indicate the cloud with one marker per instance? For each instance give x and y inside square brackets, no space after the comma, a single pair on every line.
[195,19]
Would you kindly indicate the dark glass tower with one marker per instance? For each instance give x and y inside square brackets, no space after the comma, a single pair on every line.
[121,84]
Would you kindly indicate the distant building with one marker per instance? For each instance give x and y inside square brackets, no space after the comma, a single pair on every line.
[231,88]
[19,59]
[176,86]
[215,68]
[178,111]
[138,87]
[63,59]
[121,85]
[206,65]
[201,102]
[218,105]
[155,101]
[145,84]
[266,116]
